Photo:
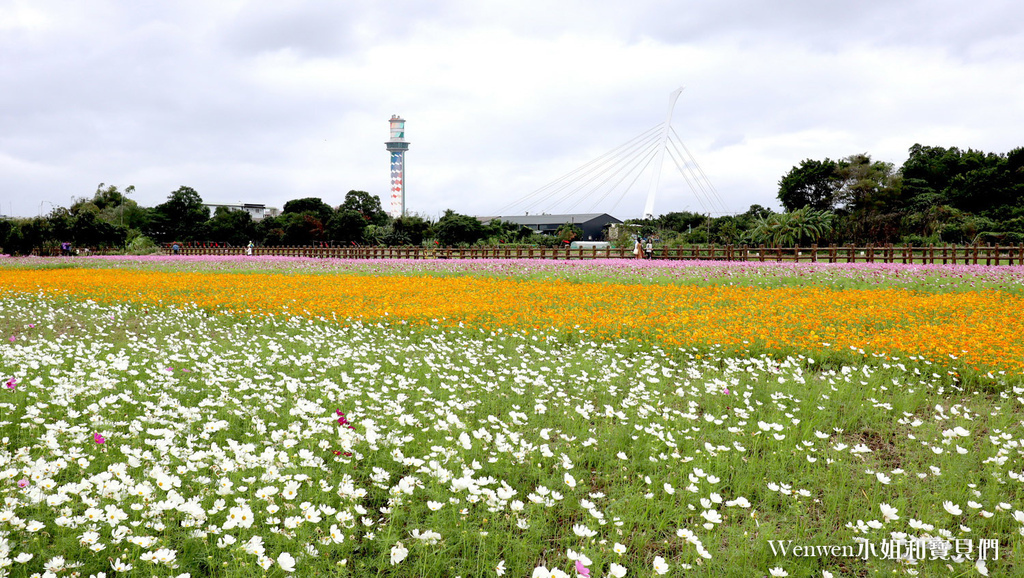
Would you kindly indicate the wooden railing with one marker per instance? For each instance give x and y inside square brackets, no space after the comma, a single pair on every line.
[945,255]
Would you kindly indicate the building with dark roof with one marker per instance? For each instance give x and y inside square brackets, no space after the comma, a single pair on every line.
[594,225]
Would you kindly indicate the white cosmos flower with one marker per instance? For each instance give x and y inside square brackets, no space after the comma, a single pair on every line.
[777,572]
[660,566]
[740,502]
[888,512]
[165,556]
[952,508]
[583,531]
[337,536]
[55,564]
[712,516]
[569,480]
[286,562]
[255,546]
[619,548]
[616,570]
[398,553]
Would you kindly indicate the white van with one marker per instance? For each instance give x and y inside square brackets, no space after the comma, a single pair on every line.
[590,245]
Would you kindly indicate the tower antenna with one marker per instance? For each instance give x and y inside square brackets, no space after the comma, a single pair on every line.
[666,129]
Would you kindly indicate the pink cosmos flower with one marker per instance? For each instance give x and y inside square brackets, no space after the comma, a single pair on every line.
[23,482]
[12,383]
[96,437]
[582,570]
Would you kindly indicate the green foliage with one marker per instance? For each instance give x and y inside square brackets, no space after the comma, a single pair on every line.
[313,206]
[804,225]
[291,229]
[568,232]
[813,183]
[454,229]
[347,227]
[142,245]
[414,228]
[182,218]
[232,227]
[366,205]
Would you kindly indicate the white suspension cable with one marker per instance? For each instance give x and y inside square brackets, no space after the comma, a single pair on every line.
[641,137]
[614,166]
[704,177]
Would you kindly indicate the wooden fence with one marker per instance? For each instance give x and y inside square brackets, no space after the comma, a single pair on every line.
[946,255]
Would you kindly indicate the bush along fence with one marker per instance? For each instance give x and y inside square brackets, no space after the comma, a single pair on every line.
[946,255]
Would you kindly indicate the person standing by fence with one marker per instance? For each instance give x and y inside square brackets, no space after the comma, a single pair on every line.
[638,249]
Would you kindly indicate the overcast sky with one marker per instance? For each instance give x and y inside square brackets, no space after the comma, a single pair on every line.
[268,101]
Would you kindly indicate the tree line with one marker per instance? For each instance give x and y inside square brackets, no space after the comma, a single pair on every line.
[111,221]
[938,196]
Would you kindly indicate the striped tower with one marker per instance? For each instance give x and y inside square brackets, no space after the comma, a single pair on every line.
[397,146]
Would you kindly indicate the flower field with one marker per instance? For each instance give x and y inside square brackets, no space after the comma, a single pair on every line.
[251,417]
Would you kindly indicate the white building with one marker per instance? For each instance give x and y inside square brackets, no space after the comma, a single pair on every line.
[256,211]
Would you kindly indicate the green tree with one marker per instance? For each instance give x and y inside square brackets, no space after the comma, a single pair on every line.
[346,227]
[232,227]
[412,227]
[812,183]
[366,205]
[498,231]
[453,229]
[867,186]
[568,232]
[270,231]
[681,222]
[804,225]
[309,206]
[182,217]
[302,229]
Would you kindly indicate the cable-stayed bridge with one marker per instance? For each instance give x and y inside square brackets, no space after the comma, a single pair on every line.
[604,183]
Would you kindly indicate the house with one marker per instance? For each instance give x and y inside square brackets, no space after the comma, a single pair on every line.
[594,225]
[256,211]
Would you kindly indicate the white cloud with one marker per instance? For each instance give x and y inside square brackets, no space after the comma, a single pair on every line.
[265,102]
